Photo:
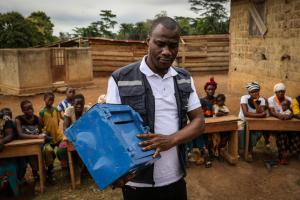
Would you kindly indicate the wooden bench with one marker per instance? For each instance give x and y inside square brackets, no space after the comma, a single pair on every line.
[26,147]
[225,124]
[268,124]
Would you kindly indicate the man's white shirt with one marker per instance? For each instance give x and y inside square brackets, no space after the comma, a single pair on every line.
[167,169]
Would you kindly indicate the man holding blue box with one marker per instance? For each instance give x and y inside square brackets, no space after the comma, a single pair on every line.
[164,96]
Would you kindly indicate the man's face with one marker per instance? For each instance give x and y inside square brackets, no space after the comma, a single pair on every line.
[163,48]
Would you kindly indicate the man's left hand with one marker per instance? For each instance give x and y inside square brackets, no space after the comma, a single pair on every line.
[155,141]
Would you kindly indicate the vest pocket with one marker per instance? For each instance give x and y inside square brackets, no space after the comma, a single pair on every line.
[185,90]
[135,97]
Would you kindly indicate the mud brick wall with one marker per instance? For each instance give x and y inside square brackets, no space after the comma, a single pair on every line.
[268,59]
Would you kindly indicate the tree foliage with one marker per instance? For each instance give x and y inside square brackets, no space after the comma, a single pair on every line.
[43,24]
[213,16]
[17,32]
[101,28]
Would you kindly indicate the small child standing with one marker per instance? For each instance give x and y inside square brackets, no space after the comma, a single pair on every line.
[220,139]
[50,118]
[67,102]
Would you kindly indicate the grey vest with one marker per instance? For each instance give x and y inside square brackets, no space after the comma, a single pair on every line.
[135,90]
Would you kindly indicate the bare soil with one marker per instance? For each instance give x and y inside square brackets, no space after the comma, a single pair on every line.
[222,181]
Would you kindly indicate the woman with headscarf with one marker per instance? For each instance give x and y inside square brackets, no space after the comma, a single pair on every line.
[252,105]
[203,143]
[209,100]
[285,141]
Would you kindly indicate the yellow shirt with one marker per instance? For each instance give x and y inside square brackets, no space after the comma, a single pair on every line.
[295,106]
[50,122]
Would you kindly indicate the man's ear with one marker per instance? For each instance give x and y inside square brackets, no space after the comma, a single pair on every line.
[148,40]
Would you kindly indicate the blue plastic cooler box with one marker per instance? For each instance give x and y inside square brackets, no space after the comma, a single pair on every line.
[105,138]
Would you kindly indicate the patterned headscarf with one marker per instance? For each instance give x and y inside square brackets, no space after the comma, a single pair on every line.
[252,86]
[211,82]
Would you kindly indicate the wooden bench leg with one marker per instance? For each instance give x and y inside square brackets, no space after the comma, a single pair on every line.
[71,166]
[247,139]
[41,170]
[232,155]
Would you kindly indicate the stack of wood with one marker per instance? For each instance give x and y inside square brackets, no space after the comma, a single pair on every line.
[109,55]
[204,52]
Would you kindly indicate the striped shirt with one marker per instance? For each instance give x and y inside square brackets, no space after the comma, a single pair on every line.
[63,105]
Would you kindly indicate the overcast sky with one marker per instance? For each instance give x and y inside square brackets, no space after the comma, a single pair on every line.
[67,14]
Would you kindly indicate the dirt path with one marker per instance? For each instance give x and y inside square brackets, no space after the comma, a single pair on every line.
[222,181]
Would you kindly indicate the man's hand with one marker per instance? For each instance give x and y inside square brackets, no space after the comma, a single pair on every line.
[1,145]
[122,181]
[158,142]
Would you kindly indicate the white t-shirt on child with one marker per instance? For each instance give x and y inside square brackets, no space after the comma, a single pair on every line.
[244,100]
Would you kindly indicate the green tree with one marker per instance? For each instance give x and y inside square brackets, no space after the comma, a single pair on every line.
[100,28]
[214,8]
[185,25]
[214,18]
[125,31]
[17,32]
[43,24]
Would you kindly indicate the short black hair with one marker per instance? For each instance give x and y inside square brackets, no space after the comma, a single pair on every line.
[167,22]
[6,111]
[68,88]
[48,94]
[23,102]
[221,97]
[79,96]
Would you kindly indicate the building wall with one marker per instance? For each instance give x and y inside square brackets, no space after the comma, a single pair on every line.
[270,59]
[9,70]
[34,70]
[28,71]
[79,66]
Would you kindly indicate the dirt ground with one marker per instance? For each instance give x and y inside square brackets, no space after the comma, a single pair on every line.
[222,181]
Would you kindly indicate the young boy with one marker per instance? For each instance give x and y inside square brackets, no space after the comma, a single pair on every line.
[50,118]
[29,127]
[67,102]
[72,114]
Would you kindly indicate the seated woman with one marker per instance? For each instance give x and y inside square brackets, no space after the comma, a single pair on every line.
[209,100]
[252,105]
[8,167]
[284,140]
[203,142]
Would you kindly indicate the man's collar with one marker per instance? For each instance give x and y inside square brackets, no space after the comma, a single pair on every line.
[145,69]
